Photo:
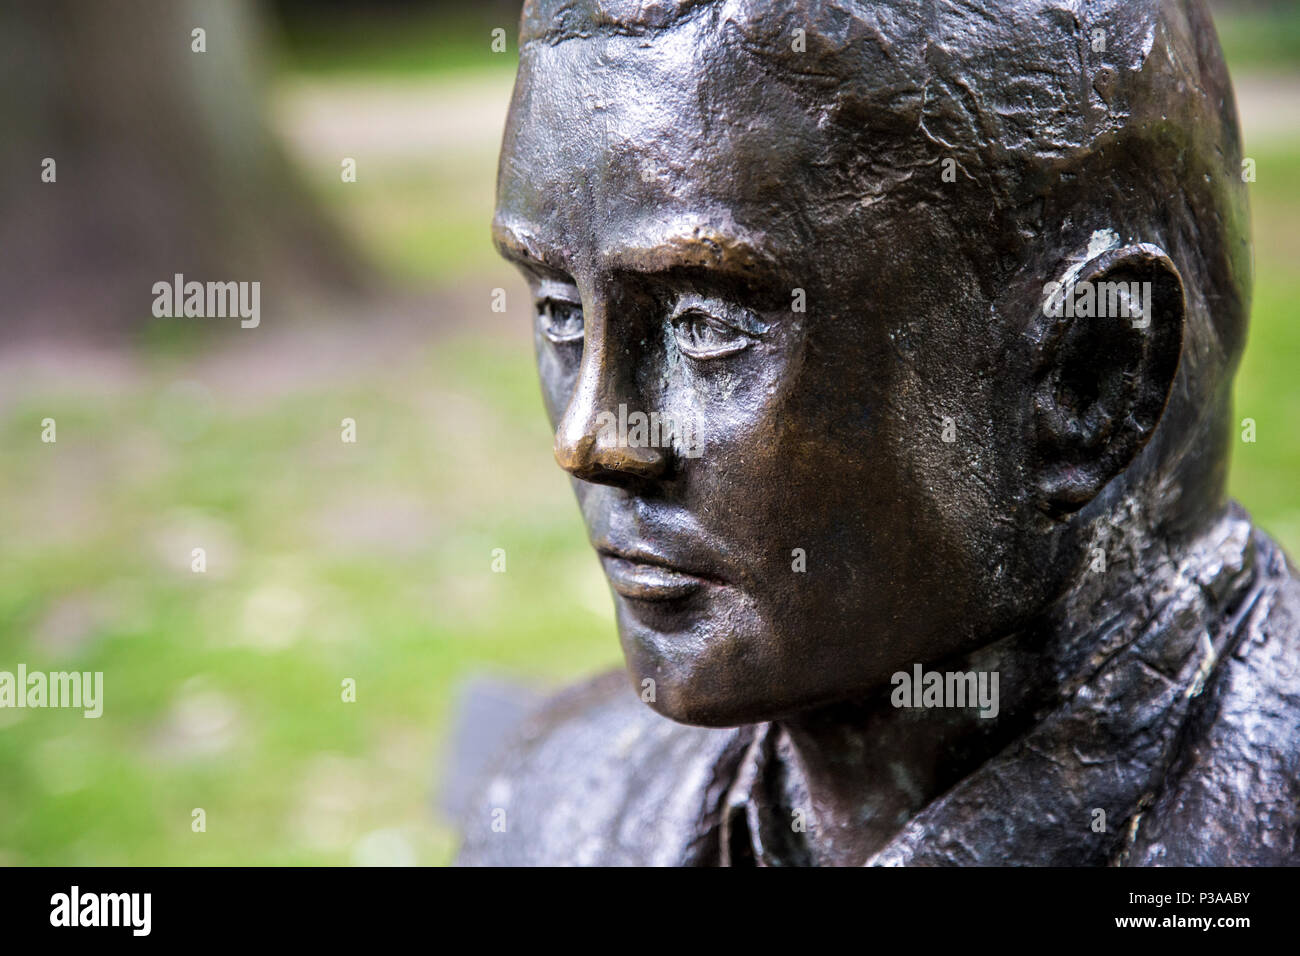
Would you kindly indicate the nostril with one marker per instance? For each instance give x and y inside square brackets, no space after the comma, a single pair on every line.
[641,462]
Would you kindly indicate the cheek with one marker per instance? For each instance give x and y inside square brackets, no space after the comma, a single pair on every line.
[786,475]
[834,491]
[738,405]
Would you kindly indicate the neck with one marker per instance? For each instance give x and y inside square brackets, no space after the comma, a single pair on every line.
[860,770]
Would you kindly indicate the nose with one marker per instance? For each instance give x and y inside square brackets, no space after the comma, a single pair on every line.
[589,442]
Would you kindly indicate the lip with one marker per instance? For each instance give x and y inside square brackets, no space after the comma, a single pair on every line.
[645,577]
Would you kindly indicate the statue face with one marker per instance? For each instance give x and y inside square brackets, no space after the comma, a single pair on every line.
[694,251]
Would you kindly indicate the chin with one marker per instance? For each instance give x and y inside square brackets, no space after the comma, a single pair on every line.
[686,706]
[706,668]
[706,679]
[730,669]
[720,701]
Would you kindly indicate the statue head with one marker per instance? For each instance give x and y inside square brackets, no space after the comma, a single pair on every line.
[812,287]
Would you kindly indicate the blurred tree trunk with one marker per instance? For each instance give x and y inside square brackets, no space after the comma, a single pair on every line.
[164,164]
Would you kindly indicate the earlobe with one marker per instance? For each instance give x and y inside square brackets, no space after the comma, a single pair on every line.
[1106,347]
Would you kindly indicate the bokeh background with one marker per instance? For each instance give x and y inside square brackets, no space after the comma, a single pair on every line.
[328,560]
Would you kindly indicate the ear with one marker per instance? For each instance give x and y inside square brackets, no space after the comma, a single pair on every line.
[1106,349]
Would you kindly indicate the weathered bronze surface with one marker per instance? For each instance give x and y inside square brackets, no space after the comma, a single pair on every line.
[823,233]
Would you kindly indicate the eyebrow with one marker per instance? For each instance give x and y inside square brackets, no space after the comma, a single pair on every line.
[703,249]
[520,246]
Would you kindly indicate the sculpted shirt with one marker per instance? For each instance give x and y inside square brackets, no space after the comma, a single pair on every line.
[1181,723]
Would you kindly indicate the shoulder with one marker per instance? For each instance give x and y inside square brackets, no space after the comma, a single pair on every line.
[598,778]
[1234,797]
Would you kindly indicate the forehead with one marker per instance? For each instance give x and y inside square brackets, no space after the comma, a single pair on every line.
[618,141]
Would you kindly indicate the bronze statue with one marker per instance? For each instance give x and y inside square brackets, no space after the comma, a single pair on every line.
[947,298]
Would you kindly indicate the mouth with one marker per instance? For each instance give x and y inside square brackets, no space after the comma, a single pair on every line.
[644,577]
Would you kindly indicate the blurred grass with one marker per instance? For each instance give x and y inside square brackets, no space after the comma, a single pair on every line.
[370,561]
[395,42]
[1265,475]
[1260,36]
[421,228]
[326,561]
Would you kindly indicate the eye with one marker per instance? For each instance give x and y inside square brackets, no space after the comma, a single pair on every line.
[704,336]
[560,321]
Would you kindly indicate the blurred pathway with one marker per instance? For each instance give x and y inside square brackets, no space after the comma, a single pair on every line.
[402,119]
